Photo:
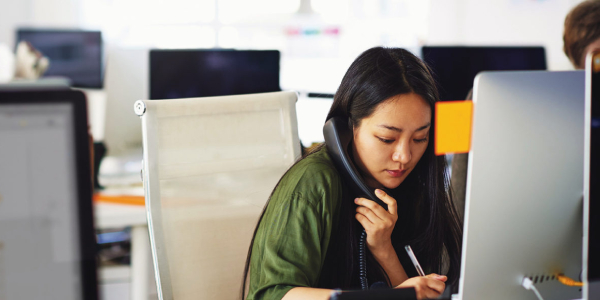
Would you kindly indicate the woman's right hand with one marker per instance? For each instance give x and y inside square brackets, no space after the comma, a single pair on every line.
[427,287]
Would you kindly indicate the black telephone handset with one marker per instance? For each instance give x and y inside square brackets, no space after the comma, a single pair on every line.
[337,140]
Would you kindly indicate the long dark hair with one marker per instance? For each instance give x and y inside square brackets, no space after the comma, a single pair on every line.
[427,218]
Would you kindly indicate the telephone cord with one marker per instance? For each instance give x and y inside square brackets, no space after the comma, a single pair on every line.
[362,260]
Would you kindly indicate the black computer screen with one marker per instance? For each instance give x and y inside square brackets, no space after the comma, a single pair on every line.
[46,214]
[455,68]
[594,185]
[75,54]
[204,73]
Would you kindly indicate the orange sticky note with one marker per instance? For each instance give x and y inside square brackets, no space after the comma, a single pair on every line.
[453,126]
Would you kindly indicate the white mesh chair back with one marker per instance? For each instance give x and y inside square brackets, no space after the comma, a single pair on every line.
[210,165]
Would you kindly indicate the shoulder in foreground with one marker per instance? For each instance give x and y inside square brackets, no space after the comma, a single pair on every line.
[313,174]
[318,162]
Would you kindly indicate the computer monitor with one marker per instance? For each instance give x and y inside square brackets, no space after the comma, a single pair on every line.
[126,82]
[204,73]
[591,238]
[47,241]
[523,215]
[455,67]
[75,54]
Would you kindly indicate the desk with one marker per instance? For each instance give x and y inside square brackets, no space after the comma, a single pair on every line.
[110,215]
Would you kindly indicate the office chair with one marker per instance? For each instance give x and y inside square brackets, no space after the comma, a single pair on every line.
[209,167]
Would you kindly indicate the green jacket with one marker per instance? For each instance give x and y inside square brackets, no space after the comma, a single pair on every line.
[293,237]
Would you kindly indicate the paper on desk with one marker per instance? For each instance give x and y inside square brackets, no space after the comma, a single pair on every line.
[453,126]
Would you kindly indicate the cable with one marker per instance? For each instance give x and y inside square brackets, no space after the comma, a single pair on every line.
[537,293]
[568,281]
[362,261]
[528,285]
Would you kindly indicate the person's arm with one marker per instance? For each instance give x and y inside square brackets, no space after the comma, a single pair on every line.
[379,224]
[388,259]
[427,287]
[293,237]
[287,253]
[302,293]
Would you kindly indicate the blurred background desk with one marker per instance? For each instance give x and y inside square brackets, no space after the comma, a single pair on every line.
[113,211]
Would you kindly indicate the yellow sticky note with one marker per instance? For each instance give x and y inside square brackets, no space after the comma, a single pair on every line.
[453,126]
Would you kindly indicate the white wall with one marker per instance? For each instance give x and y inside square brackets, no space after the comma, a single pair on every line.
[13,13]
[467,22]
[52,13]
[56,13]
[502,22]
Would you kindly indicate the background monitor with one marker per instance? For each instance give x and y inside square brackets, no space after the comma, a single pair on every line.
[204,73]
[524,206]
[126,82]
[47,241]
[455,67]
[592,180]
[75,54]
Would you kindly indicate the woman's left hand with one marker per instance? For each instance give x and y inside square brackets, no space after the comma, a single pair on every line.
[378,222]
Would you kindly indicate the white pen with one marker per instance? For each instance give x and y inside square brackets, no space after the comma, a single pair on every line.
[414,260]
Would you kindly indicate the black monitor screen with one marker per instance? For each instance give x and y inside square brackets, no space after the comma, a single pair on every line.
[75,54]
[455,68]
[594,184]
[204,73]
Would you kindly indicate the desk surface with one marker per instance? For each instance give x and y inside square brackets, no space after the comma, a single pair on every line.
[117,210]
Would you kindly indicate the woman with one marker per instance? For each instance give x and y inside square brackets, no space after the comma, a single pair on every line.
[306,242]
